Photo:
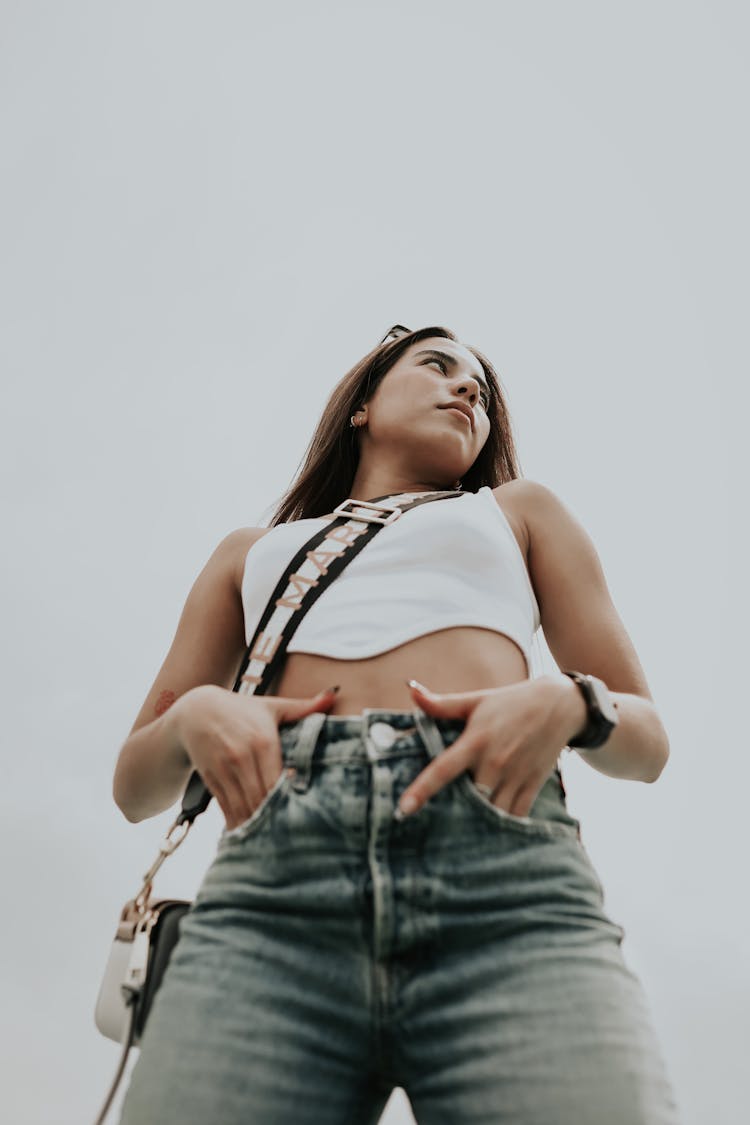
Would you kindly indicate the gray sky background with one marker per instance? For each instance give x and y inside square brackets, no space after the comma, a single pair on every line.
[209,213]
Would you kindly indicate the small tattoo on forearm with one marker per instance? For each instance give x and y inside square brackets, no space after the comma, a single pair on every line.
[164,702]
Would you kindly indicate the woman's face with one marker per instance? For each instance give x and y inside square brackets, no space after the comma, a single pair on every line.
[410,407]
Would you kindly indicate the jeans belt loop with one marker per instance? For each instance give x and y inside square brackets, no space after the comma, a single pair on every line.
[303,749]
[429,731]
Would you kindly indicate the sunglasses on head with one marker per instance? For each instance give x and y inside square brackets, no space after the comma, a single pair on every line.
[395,332]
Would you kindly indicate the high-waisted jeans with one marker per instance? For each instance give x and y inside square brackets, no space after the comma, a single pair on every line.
[333,953]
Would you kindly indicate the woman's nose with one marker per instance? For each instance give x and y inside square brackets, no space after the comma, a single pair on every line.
[469,387]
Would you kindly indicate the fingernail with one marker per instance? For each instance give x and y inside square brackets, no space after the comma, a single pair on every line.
[416,684]
[331,690]
[406,806]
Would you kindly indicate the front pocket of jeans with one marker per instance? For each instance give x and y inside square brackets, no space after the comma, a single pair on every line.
[259,817]
[530,825]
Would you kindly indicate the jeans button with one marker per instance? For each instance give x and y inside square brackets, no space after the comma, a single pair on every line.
[383,735]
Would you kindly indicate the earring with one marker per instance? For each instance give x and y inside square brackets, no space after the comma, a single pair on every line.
[353,422]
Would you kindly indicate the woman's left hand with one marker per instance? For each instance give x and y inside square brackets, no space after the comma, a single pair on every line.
[510,744]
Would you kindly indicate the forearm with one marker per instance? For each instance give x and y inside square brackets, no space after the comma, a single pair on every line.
[152,769]
[638,747]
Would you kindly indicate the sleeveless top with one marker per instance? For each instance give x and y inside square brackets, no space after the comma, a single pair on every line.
[436,566]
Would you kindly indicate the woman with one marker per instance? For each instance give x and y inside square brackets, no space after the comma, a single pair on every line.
[340,945]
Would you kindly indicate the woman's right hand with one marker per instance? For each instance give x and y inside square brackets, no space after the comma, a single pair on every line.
[233,742]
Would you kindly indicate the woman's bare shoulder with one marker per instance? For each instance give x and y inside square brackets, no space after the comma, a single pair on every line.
[522,500]
[234,547]
[520,492]
[515,497]
[534,504]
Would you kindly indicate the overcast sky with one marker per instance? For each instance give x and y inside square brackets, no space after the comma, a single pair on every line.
[209,213]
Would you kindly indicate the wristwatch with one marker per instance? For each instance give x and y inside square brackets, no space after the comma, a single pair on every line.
[602,712]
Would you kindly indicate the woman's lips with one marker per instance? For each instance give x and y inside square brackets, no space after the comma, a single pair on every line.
[454,410]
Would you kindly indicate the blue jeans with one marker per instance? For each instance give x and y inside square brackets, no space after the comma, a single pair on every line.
[332,954]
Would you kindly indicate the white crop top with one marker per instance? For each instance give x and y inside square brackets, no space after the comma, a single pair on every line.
[441,564]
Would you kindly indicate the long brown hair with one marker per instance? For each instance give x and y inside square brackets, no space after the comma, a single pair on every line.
[331,459]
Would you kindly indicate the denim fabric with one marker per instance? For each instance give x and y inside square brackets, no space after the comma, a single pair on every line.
[332,954]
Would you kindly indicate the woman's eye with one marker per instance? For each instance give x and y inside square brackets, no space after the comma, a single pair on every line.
[484,397]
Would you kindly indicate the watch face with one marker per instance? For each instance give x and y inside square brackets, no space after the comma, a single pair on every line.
[603,699]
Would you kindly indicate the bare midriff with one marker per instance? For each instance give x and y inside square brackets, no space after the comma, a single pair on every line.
[461,658]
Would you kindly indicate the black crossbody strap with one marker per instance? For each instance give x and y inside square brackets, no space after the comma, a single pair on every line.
[312,569]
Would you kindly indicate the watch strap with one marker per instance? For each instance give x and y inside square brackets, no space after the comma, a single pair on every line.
[598,726]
